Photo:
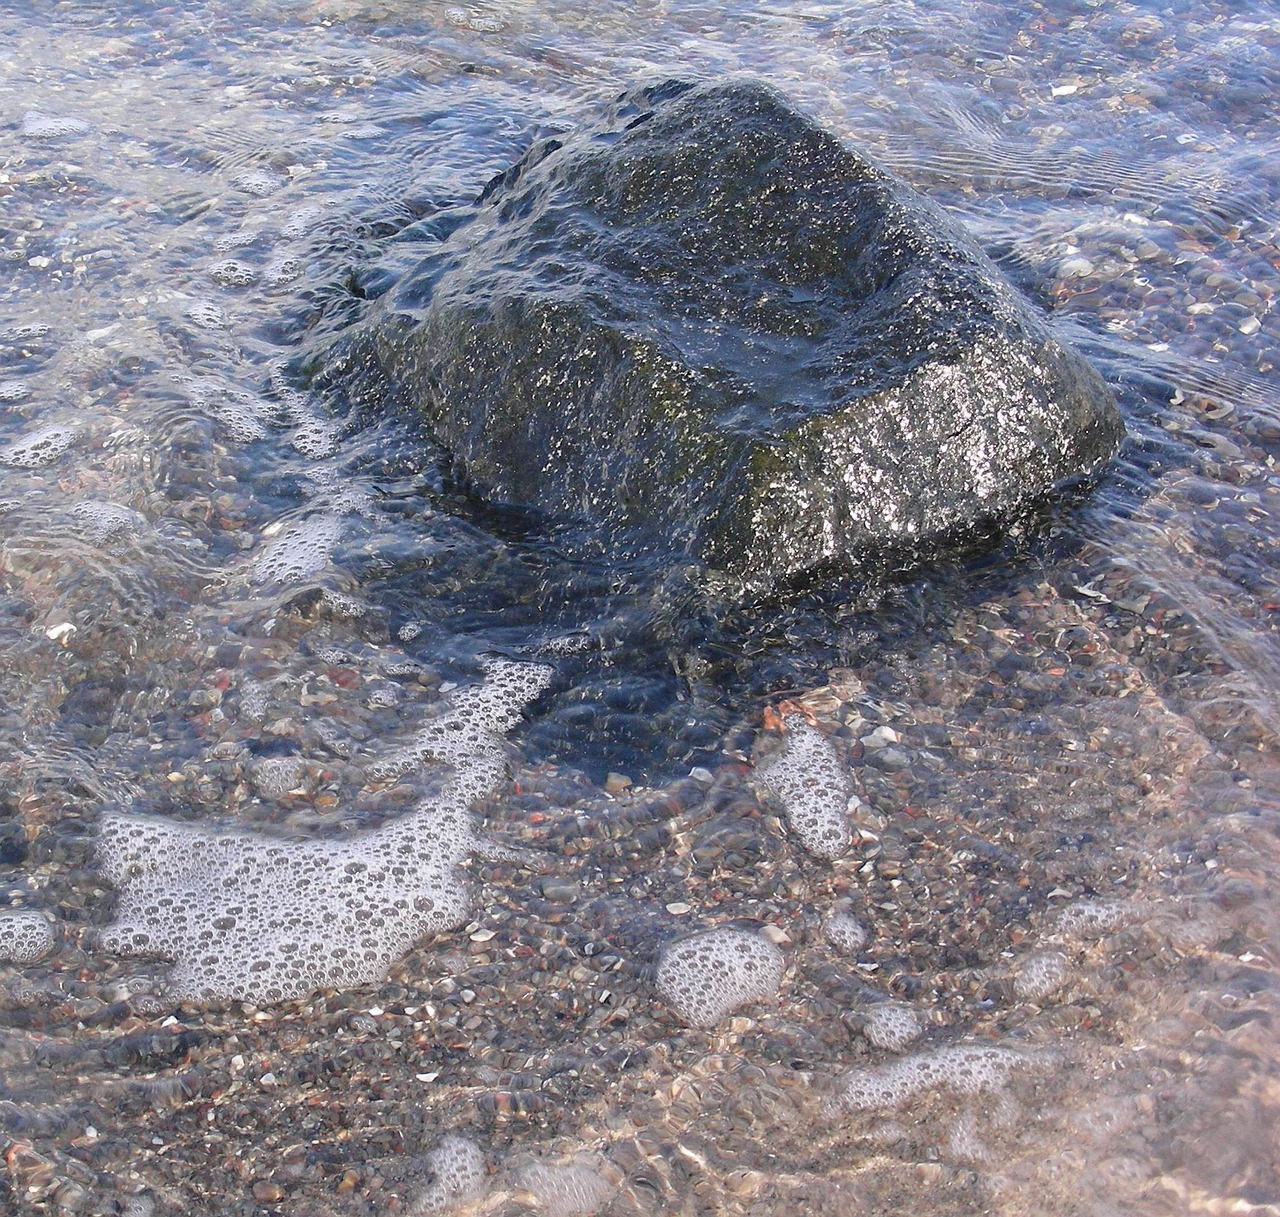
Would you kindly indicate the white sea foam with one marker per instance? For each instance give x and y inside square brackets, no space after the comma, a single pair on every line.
[25,936]
[458,1177]
[891,1027]
[300,550]
[106,522]
[244,915]
[259,182]
[1040,975]
[812,784]
[231,272]
[581,1187]
[39,448]
[707,975]
[36,125]
[207,315]
[965,1069]
[845,932]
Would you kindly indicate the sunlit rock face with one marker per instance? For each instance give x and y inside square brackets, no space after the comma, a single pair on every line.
[706,327]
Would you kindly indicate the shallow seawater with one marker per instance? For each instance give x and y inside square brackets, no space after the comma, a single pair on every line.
[1042,979]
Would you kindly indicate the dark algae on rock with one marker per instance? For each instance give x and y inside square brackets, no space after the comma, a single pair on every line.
[706,327]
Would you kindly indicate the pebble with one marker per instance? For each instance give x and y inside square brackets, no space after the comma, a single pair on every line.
[1075,268]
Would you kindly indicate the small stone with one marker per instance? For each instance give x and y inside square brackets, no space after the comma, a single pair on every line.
[881,737]
[679,908]
[559,891]
[267,1192]
[1074,268]
[616,783]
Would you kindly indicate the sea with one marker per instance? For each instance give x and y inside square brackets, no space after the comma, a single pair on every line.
[1043,980]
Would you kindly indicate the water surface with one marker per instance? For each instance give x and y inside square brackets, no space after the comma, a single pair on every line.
[208,567]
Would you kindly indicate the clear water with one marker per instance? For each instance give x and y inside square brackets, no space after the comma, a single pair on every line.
[205,569]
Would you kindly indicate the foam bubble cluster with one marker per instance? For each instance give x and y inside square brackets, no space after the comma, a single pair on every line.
[473,726]
[207,315]
[706,976]
[39,448]
[1086,919]
[966,1069]
[106,522]
[1040,975]
[283,268]
[812,785]
[231,272]
[317,438]
[302,222]
[243,915]
[259,182]
[845,932]
[891,1027]
[51,126]
[25,936]
[458,1177]
[578,1188]
[300,550]
[240,411]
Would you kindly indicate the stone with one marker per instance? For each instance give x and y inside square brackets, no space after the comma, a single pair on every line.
[705,328]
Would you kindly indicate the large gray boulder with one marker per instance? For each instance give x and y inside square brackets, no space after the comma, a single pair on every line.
[706,327]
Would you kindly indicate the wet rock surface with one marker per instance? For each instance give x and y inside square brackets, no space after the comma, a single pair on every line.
[706,326]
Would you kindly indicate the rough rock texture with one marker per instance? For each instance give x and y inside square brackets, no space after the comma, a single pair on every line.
[707,327]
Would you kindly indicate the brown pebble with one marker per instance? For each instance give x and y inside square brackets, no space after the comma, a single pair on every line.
[348,1181]
[267,1191]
